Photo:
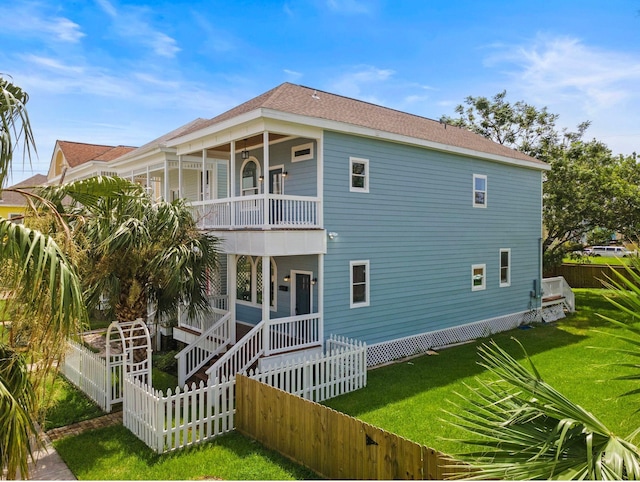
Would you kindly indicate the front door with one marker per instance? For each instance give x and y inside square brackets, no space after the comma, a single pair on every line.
[302,293]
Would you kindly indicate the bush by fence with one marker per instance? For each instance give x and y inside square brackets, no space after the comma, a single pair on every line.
[331,443]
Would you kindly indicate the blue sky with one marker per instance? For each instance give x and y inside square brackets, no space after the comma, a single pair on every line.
[125,72]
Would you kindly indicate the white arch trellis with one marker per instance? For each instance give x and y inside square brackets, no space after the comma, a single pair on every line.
[128,352]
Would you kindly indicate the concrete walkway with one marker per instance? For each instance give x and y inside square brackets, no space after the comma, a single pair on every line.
[49,465]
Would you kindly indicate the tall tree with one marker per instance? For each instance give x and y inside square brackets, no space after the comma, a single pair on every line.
[45,285]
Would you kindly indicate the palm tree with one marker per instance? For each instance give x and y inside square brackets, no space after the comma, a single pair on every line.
[137,252]
[528,430]
[46,288]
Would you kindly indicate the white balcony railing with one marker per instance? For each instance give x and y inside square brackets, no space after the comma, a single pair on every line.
[258,211]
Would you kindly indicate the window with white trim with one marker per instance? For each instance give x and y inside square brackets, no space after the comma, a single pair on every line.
[16,218]
[479,191]
[302,152]
[250,174]
[505,267]
[359,283]
[359,174]
[478,278]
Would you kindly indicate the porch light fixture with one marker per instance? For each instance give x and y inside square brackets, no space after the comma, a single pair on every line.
[245,153]
[287,279]
[261,178]
[285,174]
[314,281]
[333,235]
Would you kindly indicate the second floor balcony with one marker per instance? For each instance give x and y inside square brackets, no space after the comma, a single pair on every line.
[258,211]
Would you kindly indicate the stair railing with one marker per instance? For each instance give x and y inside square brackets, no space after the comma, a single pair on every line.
[240,356]
[211,343]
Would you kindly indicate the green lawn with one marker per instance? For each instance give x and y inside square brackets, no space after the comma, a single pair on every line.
[409,398]
[612,261]
[114,453]
[406,398]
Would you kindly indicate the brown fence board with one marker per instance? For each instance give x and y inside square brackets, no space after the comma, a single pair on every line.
[331,443]
[585,275]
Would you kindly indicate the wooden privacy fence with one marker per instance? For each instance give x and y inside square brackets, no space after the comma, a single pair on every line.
[586,275]
[331,443]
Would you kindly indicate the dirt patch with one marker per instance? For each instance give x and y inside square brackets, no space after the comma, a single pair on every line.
[98,341]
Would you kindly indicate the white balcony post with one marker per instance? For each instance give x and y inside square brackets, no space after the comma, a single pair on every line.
[165,194]
[232,290]
[320,285]
[266,301]
[265,178]
[232,183]
[180,191]
[204,176]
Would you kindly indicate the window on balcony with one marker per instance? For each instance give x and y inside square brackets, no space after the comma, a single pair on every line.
[250,176]
[359,174]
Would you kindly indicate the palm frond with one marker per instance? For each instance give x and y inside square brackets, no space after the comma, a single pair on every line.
[528,430]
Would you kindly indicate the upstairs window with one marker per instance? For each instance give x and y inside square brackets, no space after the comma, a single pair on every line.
[479,191]
[505,267]
[359,174]
[359,281]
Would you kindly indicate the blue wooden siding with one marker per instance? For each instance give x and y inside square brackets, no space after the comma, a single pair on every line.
[302,177]
[420,232]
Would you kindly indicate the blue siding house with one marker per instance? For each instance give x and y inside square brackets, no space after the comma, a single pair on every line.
[343,217]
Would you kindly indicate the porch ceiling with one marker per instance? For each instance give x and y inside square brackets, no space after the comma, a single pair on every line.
[251,143]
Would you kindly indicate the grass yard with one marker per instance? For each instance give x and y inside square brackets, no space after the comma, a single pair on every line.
[114,453]
[406,398]
[612,261]
[409,398]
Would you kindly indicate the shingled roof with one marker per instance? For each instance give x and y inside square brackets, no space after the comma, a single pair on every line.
[305,101]
[77,153]
[15,199]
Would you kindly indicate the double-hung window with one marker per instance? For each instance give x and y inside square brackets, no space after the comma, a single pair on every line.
[479,191]
[359,282]
[478,278]
[505,267]
[359,174]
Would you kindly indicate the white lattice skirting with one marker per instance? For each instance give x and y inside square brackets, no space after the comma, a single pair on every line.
[413,345]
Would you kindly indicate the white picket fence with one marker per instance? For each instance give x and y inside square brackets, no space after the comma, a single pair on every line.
[193,415]
[88,371]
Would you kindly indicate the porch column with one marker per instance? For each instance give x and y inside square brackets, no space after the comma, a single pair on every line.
[232,271]
[265,177]
[204,177]
[166,181]
[266,300]
[148,180]
[320,285]
[232,183]
[180,177]
[320,181]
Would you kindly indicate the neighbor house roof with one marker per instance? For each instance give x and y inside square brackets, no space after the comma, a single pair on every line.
[77,153]
[9,198]
[305,101]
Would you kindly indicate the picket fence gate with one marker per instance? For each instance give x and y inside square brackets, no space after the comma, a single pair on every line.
[199,413]
[90,373]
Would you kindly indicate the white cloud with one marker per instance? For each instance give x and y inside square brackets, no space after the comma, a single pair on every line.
[352,83]
[28,19]
[566,69]
[130,23]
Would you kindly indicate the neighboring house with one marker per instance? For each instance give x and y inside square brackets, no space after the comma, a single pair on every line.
[86,160]
[343,217]
[14,204]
